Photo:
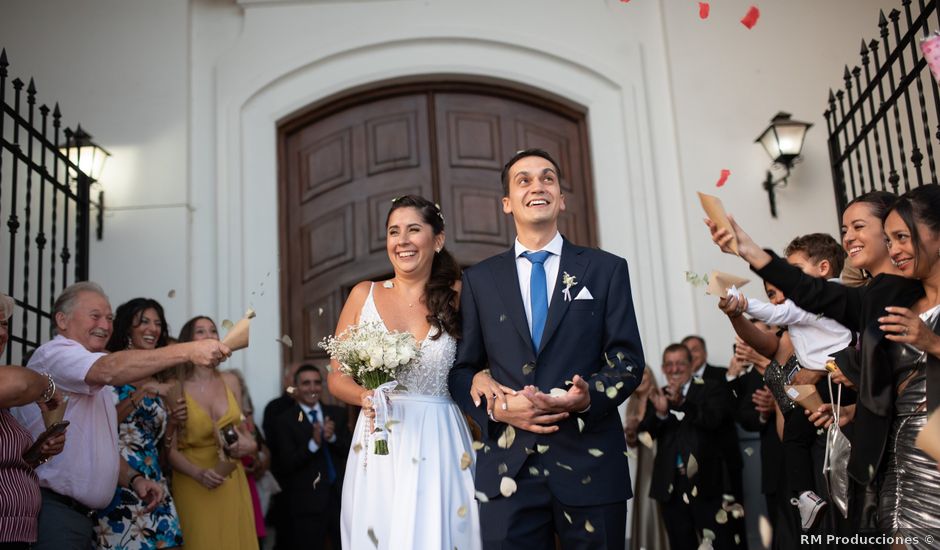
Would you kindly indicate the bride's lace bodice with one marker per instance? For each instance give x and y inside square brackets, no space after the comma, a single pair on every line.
[429,375]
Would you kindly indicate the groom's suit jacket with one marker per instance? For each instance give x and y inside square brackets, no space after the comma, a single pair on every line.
[595,338]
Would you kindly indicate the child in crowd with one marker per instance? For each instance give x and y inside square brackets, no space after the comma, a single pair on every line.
[815,338]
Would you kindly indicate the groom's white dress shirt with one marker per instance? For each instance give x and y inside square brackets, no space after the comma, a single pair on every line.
[524,270]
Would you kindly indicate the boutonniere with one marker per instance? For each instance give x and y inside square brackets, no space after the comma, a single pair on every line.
[569,281]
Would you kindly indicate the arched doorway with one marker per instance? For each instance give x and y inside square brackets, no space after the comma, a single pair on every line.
[343,161]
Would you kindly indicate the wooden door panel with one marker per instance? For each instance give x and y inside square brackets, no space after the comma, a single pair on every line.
[343,165]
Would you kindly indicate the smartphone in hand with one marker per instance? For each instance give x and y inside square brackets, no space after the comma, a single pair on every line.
[33,454]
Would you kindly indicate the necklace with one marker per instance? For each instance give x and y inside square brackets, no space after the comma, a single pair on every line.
[391,284]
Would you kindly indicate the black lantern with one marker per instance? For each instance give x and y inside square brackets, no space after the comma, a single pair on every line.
[90,159]
[783,141]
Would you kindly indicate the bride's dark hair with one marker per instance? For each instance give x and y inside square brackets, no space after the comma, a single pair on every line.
[439,295]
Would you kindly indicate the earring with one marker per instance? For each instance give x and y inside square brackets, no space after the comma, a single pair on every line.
[438,251]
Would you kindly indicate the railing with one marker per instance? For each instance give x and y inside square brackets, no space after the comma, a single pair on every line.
[884,124]
[45,204]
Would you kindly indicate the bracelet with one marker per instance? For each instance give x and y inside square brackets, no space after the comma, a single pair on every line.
[130,483]
[50,390]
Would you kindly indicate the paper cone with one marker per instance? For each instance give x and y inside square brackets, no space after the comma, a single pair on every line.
[805,395]
[928,440]
[716,213]
[237,338]
[719,283]
[56,415]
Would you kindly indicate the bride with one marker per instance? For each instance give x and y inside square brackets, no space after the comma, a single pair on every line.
[421,494]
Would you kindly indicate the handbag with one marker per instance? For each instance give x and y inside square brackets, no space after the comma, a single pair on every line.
[836,461]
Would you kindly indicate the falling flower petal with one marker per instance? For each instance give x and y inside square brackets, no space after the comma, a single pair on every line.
[557,392]
[694,491]
[286,340]
[580,424]
[723,178]
[300,416]
[502,318]
[596,452]
[317,480]
[481,496]
[750,18]
[721,517]
[692,468]
[611,392]
[372,537]
[766,530]
[357,447]
[291,390]
[749,451]
[703,9]
[567,516]
[476,445]
[698,380]
[319,312]
[533,471]
[171,294]
[685,498]
[462,512]
[737,538]
[542,449]
[465,460]
[727,498]
[545,472]
[507,486]
[502,468]
[528,368]
[529,451]
[646,439]
[708,534]
[678,414]
[599,385]
[629,454]
[250,313]
[507,438]
[737,511]
[227,324]
[588,527]
[586,480]
[669,490]
[565,466]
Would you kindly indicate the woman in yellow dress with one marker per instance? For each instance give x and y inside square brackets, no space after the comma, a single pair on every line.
[209,484]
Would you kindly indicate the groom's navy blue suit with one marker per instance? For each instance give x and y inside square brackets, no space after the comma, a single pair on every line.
[595,338]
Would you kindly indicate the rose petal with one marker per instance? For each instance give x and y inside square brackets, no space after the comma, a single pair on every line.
[723,178]
[507,438]
[171,294]
[507,486]
[372,537]
[588,527]
[227,324]
[462,512]
[465,460]
[502,468]
[703,9]
[481,497]
[750,18]
[596,453]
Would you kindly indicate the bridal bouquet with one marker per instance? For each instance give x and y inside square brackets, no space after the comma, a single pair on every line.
[373,356]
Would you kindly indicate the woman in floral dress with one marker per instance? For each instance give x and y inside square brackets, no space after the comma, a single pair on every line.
[145,425]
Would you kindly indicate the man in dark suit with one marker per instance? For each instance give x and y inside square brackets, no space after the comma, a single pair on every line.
[688,478]
[728,439]
[309,443]
[548,316]
[278,516]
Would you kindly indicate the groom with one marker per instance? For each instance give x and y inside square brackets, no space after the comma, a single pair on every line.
[548,315]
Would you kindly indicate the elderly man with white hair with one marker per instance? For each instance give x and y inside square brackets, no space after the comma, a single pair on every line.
[82,478]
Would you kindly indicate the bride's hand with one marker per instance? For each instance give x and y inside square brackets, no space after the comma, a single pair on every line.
[486,387]
[368,408]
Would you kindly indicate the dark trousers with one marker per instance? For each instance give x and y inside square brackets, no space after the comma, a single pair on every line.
[311,532]
[14,546]
[532,516]
[61,526]
[685,523]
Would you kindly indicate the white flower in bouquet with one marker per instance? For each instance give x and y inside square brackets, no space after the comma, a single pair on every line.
[373,356]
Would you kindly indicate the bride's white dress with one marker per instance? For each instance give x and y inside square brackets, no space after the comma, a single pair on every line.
[417,496]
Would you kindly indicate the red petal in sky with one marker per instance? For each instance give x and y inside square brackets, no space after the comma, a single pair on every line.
[724,177]
[750,18]
[703,8]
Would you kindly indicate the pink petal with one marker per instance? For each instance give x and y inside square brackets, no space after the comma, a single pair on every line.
[750,19]
[724,177]
[703,9]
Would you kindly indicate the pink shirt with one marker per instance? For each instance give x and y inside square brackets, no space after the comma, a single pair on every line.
[87,468]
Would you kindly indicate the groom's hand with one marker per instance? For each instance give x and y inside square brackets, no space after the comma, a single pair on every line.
[523,414]
[576,399]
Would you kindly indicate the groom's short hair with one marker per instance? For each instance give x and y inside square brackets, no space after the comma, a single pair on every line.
[504,175]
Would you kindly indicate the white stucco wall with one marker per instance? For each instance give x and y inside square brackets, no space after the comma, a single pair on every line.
[187,95]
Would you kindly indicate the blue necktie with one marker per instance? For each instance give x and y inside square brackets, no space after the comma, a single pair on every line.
[330,470]
[538,294]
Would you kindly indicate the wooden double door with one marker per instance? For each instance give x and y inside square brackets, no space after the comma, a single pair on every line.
[342,164]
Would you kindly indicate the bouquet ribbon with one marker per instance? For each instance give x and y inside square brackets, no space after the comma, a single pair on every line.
[382,404]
